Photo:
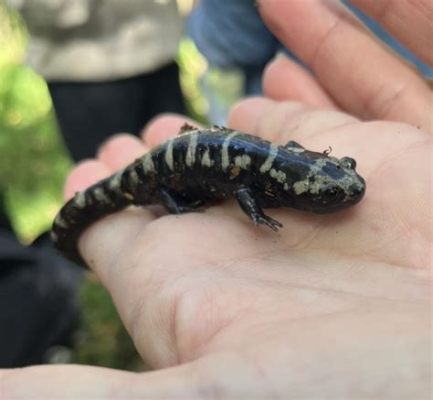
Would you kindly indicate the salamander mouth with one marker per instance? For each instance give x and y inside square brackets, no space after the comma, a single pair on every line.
[332,208]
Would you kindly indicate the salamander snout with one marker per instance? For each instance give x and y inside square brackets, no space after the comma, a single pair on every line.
[353,188]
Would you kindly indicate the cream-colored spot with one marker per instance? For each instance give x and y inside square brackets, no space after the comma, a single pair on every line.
[80,200]
[169,155]
[225,162]
[192,148]
[148,165]
[286,187]
[61,222]
[279,176]
[99,194]
[133,178]
[114,183]
[206,161]
[301,186]
[272,154]
[243,161]
[295,149]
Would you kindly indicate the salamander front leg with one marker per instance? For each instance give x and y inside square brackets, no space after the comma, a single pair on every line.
[249,205]
[291,144]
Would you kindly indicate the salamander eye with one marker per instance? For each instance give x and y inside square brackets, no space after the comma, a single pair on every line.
[331,192]
[347,162]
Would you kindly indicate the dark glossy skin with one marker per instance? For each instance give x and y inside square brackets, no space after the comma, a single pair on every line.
[199,166]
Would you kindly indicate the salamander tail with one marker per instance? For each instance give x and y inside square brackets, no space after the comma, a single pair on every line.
[81,211]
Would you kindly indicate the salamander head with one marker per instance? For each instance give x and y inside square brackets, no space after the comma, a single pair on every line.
[319,183]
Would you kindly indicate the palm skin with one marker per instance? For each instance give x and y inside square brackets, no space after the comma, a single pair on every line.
[339,297]
[332,306]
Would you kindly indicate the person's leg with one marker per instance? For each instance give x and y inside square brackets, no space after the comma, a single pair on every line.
[165,94]
[39,307]
[88,113]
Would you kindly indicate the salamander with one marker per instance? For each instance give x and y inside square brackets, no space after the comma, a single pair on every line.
[200,166]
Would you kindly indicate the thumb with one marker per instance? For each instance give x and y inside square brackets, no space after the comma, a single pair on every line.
[84,382]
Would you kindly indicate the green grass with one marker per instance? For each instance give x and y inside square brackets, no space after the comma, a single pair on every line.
[102,339]
[34,165]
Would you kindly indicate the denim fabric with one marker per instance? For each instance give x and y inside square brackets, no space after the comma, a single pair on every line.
[423,68]
[231,33]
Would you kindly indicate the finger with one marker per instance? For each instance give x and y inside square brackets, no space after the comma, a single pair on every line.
[83,175]
[359,73]
[120,150]
[82,382]
[319,129]
[283,121]
[117,152]
[397,16]
[164,127]
[285,79]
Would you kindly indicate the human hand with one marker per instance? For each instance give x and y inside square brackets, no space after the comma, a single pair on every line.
[332,306]
[351,70]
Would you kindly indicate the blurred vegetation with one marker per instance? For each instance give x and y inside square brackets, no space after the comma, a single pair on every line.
[102,339]
[34,164]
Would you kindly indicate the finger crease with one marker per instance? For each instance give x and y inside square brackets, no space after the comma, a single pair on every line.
[325,39]
[383,101]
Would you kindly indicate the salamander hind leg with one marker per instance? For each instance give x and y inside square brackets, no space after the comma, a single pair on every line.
[175,203]
[250,206]
[185,128]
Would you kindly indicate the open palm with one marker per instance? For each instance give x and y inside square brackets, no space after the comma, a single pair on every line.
[332,305]
[332,295]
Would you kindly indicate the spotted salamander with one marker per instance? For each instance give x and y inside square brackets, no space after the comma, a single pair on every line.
[202,165]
